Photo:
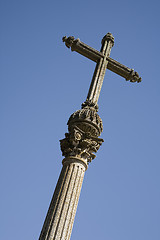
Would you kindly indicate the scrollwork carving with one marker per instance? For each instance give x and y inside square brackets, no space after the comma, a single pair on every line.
[81,144]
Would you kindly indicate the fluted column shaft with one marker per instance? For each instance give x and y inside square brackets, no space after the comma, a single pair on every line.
[60,217]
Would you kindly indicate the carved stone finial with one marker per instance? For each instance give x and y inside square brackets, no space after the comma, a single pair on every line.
[68,41]
[108,37]
[71,42]
[133,77]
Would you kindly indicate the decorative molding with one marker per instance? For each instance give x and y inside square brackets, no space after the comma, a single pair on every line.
[108,37]
[79,144]
[84,127]
[88,120]
[68,41]
[133,77]
[91,104]
[76,160]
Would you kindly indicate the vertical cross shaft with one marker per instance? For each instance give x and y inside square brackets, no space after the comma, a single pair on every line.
[99,73]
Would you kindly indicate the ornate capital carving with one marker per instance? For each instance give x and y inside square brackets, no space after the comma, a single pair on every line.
[82,141]
[77,143]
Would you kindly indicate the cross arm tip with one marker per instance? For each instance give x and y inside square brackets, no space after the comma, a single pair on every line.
[70,41]
[133,77]
[108,37]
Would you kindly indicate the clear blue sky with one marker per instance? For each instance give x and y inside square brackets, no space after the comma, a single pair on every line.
[43,83]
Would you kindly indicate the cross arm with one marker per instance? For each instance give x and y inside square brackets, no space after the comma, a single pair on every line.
[123,71]
[94,55]
[82,48]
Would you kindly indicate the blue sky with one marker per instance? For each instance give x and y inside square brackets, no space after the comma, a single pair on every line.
[43,83]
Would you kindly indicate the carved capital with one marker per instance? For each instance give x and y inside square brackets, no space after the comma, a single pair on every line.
[77,143]
[82,140]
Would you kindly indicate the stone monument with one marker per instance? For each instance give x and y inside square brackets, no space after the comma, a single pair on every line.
[81,141]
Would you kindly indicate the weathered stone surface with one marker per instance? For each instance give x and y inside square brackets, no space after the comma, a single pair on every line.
[94,55]
[60,217]
[81,141]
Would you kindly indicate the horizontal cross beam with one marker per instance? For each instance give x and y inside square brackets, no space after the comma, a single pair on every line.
[94,55]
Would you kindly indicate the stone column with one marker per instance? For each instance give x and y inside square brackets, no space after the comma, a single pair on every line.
[60,217]
[80,142]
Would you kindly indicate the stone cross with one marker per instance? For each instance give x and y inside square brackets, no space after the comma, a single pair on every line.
[81,141]
[103,62]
